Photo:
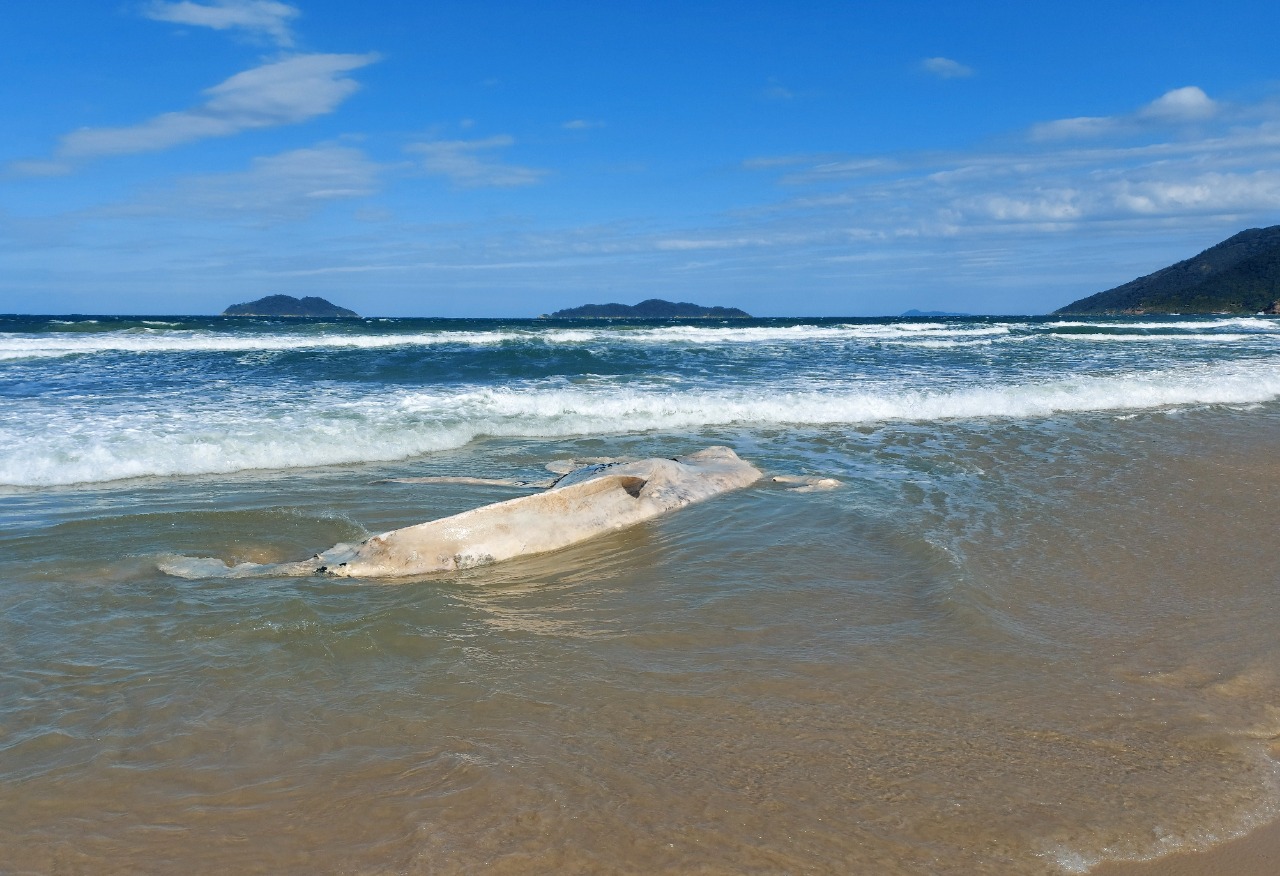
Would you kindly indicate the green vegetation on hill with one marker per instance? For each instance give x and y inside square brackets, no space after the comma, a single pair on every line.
[1239,275]
[653,308]
[287,305]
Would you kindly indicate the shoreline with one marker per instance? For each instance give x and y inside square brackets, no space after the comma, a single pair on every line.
[1256,853]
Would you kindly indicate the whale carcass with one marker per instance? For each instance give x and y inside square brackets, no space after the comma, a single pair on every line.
[584,503]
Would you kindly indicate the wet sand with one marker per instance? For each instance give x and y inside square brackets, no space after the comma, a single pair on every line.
[1254,854]
[992,652]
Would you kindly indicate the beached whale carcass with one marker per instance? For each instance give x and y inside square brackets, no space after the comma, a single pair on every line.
[586,502]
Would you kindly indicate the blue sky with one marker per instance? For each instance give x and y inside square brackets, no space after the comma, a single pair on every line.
[509,159]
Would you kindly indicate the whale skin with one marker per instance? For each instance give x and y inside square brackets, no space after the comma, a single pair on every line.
[585,503]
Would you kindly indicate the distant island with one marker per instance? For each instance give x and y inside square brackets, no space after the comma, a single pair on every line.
[914,312]
[1239,275]
[653,308]
[287,305]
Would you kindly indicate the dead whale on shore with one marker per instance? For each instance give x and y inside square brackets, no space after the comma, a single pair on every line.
[585,502]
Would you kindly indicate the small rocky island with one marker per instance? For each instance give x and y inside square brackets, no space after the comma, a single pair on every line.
[287,305]
[652,308]
[1239,275]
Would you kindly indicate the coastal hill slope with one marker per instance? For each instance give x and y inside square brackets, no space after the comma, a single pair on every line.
[653,308]
[1239,275]
[287,305]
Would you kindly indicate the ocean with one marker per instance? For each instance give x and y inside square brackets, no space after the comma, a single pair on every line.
[1034,628]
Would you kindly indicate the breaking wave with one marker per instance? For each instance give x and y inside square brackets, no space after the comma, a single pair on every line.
[161,337]
[253,428]
[150,341]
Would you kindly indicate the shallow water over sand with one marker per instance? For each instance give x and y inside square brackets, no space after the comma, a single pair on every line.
[1005,645]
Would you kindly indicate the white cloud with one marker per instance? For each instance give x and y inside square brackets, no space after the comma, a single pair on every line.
[772,161]
[846,168]
[291,185]
[1205,193]
[775,90]
[581,125]
[1197,162]
[283,186]
[462,162]
[281,93]
[1079,128]
[1132,196]
[267,18]
[946,68]
[1179,106]
[755,239]
[1061,205]
[39,168]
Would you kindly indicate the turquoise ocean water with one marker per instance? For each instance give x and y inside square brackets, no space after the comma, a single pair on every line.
[1032,630]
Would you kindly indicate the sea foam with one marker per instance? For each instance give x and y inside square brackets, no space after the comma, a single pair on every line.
[157,337]
[153,340]
[67,443]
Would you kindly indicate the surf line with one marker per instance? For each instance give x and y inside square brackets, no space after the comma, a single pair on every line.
[586,501]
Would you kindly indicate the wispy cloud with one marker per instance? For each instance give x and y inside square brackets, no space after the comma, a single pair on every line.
[1208,165]
[1180,106]
[466,164]
[1120,197]
[846,167]
[285,92]
[775,90]
[581,125]
[945,68]
[267,18]
[38,167]
[288,186]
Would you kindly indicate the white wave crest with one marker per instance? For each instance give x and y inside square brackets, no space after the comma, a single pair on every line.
[168,436]
[1201,337]
[795,333]
[13,346]
[154,340]
[1250,323]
